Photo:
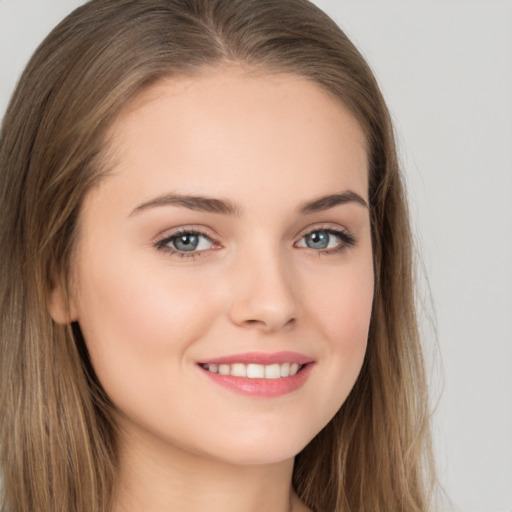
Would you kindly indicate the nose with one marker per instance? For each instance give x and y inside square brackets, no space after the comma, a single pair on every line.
[264,294]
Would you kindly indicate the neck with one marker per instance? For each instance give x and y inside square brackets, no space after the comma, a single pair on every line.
[158,478]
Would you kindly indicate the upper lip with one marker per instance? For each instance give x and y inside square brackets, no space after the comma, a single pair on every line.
[264,358]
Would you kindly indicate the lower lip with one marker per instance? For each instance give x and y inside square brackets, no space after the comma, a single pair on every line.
[267,388]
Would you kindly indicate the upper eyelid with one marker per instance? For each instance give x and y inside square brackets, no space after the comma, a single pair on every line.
[209,233]
[191,229]
[328,230]
[326,226]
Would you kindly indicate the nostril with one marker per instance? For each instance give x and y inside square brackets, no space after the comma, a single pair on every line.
[268,324]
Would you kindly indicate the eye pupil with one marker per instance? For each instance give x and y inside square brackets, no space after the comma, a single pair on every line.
[187,242]
[317,240]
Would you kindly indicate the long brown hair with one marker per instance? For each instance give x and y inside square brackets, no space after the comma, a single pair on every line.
[57,435]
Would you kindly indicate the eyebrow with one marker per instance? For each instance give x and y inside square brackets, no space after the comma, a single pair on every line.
[199,203]
[326,202]
[227,207]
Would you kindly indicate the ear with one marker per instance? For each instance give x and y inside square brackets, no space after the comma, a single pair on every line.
[61,307]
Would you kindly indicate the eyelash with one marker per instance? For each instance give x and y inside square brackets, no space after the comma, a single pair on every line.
[346,240]
[163,245]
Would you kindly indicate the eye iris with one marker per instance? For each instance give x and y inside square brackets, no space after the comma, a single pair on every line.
[188,242]
[317,240]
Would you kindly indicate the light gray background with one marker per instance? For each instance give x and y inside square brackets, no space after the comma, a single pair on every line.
[446,70]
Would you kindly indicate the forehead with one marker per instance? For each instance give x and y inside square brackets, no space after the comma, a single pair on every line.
[244,89]
[225,125]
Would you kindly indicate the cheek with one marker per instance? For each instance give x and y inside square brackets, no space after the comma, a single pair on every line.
[135,320]
[342,304]
[341,309]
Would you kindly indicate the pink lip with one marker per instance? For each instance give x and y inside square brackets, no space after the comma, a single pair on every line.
[266,388]
[261,358]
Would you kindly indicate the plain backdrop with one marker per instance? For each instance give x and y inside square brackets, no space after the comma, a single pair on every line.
[445,68]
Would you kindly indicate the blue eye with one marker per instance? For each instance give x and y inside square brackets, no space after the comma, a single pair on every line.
[186,242]
[318,240]
[326,239]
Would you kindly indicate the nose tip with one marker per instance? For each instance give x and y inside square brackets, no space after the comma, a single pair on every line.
[264,300]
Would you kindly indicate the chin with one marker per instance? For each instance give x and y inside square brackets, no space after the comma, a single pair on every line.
[256,454]
[259,446]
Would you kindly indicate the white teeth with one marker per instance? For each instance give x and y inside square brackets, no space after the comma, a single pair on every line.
[224,369]
[273,371]
[238,370]
[254,371]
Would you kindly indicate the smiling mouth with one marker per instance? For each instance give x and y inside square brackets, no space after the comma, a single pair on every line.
[255,371]
[259,374]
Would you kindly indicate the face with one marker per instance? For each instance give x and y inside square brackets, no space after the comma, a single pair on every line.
[223,273]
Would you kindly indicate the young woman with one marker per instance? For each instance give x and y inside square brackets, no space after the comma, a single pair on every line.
[206,281]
